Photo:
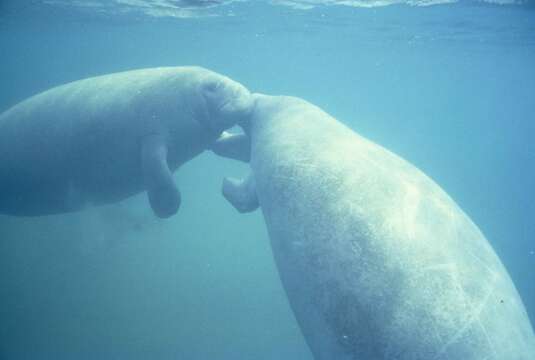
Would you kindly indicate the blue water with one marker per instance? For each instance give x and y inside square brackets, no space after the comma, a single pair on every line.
[449,87]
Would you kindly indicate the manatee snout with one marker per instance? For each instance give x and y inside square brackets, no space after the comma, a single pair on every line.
[228,103]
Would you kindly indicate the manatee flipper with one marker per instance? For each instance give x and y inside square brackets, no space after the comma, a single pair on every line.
[164,196]
[241,193]
[233,146]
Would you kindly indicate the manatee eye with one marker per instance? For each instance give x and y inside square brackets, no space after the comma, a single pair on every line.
[212,86]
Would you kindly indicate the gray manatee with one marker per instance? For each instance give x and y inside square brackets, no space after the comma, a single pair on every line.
[103,139]
[378,262]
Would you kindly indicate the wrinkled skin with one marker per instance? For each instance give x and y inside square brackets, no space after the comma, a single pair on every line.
[103,139]
[378,262]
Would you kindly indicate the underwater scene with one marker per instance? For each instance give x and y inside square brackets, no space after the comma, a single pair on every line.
[128,230]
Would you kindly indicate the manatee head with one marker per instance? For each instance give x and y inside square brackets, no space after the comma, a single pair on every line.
[227,102]
[261,107]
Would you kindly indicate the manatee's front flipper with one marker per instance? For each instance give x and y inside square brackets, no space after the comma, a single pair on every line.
[233,146]
[164,196]
[241,193]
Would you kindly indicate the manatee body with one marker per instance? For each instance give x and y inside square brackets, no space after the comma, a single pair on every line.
[378,262]
[103,139]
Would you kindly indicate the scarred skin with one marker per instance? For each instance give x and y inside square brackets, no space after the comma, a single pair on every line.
[378,262]
[103,139]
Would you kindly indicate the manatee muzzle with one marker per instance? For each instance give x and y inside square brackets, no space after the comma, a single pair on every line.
[227,102]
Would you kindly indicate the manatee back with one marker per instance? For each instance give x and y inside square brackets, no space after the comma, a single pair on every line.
[378,262]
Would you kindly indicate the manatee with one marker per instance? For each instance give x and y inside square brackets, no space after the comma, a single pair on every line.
[103,139]
[377,261]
